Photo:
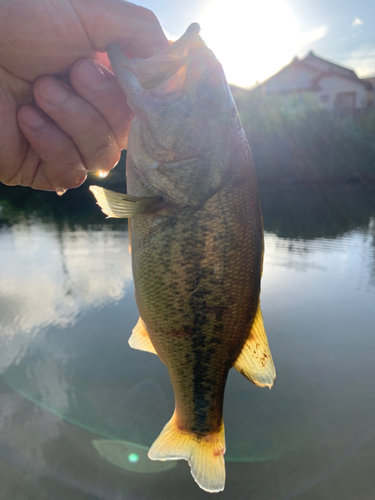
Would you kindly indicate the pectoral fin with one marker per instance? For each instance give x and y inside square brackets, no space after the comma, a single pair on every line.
[140,339]
[121,205]
[255,360]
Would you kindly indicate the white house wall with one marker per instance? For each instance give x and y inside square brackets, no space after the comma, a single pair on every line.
[333,85]
[291,79]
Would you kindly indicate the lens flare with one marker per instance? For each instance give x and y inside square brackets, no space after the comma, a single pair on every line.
[133,458]
[130,456]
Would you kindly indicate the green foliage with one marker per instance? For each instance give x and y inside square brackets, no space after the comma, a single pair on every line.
[311,212]
[295,140]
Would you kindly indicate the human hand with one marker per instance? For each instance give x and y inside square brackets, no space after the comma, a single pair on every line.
[51,133]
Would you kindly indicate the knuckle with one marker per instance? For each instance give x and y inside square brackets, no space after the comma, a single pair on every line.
[10,182]
[146,14]
[151,17]
[149,24]
[24,174]
[10,179]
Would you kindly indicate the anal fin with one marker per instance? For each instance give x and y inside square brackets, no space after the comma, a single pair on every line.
[140,339]
[130,235]
[255,360]
[205,454]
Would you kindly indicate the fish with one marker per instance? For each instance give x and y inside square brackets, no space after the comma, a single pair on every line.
[196,238]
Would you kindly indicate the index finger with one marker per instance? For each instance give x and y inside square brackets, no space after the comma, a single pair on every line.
[136,29]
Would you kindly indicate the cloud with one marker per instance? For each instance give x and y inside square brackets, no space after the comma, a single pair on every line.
[362,60]
[356,22]
[312,36]
[260,37]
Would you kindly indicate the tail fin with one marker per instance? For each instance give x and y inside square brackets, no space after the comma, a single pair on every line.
[204,454]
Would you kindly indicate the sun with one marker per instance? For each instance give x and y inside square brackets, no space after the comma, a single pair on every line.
[251,39]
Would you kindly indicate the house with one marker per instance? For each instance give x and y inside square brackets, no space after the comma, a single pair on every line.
[332,85]
[370,92]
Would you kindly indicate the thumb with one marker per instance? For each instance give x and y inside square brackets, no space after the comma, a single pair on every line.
[136,29]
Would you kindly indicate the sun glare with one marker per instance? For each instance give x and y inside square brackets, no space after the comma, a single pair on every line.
[251,39]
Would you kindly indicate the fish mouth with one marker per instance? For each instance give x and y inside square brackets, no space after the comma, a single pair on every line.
[156,70]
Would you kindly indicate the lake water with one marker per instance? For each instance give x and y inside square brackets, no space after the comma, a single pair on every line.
[79,408]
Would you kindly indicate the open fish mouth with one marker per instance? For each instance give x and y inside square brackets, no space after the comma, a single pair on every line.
[166,71]
[159,68]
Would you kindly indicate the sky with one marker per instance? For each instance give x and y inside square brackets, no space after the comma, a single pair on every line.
[254,39]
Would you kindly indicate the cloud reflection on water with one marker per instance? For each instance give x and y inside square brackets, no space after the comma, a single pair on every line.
[348,255]
[50,277]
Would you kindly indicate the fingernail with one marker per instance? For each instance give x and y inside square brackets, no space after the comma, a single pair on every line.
[60,191]
[31,118]
[52,91]
[91,76]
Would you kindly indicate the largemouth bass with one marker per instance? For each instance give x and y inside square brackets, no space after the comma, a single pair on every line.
[196,242]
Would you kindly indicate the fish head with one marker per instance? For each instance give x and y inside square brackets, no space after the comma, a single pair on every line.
[184,116]
[205,82]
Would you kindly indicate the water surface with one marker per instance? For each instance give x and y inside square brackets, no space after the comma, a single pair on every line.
[79,408]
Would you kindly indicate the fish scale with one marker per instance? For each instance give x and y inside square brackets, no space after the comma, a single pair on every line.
[196,243]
